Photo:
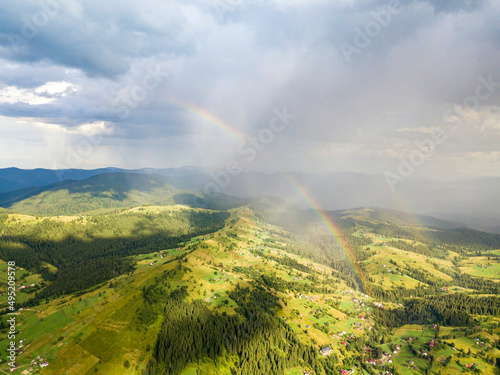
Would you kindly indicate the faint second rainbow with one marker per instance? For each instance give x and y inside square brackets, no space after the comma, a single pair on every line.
[208,118]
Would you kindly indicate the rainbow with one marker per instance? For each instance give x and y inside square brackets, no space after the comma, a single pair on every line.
[331,226]
[208,118]
[302,191]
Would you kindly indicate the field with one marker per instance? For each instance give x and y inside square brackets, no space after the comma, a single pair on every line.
[27,283]
[481,266]
[106,329]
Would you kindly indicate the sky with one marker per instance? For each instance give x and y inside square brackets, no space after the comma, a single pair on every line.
[263,85]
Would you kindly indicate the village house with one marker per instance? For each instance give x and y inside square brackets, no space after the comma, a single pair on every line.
[471,365]
[326,351]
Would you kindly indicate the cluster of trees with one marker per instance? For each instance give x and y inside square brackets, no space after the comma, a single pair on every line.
[389,230]
[464,238]
[290,262]
[326,250]
[400,292]
[424,276]
[263,344]
[448,310]
[278,284]
[158,293]
[479,284]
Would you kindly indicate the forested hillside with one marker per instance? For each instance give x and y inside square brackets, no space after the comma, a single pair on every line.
[108,190]
[264,288]
[87,250]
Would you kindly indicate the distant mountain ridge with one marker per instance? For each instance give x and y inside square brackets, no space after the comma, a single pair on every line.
[120,190]
[12,179]
[404,219]
[108,190]
[474,202]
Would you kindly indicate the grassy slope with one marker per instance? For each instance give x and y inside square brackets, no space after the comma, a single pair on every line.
[97,332]
[385,273]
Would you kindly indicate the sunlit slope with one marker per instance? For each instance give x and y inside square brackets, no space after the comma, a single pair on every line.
[404,259]
[89,249]
[117,322]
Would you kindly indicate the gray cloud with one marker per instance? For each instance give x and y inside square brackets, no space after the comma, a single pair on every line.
[231,69]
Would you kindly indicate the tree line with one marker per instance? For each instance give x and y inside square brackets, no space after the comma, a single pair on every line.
[91,250]
[448,310]
[262,343]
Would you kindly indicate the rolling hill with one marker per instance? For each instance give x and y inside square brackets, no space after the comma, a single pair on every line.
[108,190]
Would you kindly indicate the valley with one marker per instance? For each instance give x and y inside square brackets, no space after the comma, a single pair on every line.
[257,282]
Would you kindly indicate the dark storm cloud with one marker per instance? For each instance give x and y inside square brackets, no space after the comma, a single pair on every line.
[147,69]
[95,37]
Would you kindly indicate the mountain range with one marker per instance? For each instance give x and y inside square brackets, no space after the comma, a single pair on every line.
[472,202]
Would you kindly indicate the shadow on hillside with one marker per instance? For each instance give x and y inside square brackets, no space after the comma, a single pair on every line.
[107,191]
[88,254]
[115,187]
